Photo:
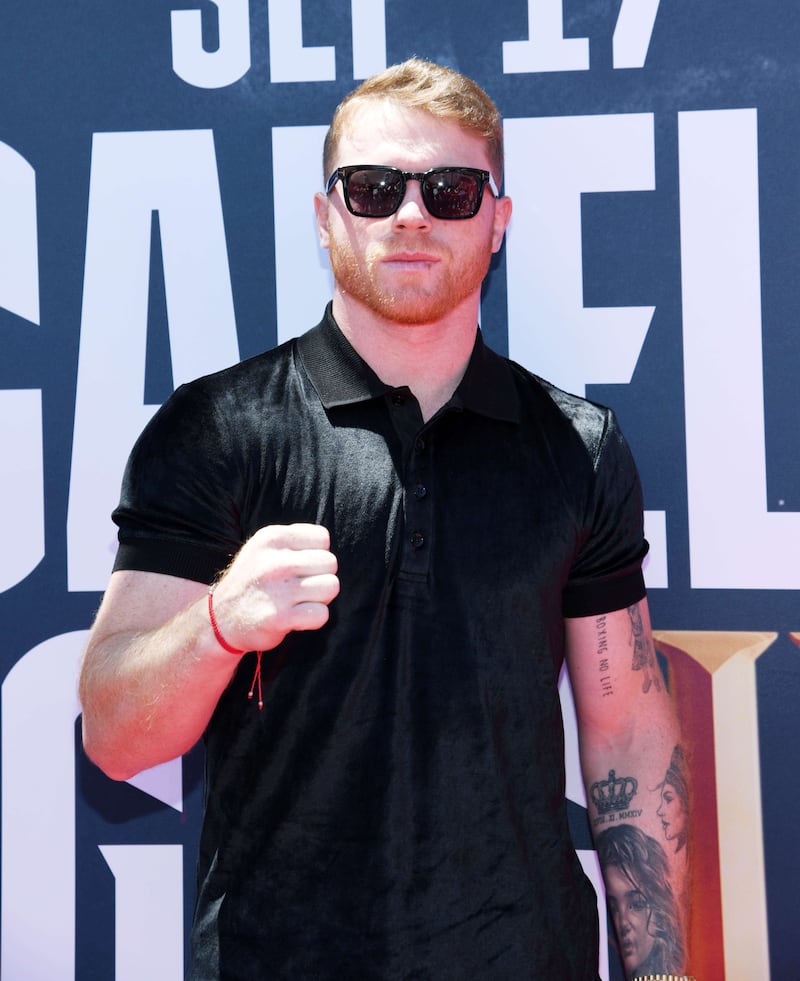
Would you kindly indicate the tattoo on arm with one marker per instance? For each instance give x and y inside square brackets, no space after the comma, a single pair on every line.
[644,658]
[613,797]
[603,665]
[645,879]
[674,806]
[641,900]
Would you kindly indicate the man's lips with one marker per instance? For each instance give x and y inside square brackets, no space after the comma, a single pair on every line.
[410,259]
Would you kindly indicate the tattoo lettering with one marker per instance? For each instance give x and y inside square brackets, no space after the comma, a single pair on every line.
[602,658]
[644,658]
[612,798]
[641,900]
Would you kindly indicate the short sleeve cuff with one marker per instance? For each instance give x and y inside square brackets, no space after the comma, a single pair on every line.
[184,560]
[595,598]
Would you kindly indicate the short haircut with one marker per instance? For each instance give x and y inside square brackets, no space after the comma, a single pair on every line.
[440,91]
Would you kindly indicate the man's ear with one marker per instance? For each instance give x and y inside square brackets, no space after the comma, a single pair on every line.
[502,216]
[321,205]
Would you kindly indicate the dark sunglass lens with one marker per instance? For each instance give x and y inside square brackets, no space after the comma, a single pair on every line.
[451,194]
[374,193]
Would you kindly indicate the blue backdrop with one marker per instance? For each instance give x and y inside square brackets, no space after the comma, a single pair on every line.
[157,162]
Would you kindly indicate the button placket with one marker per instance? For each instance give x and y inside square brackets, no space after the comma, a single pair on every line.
[418,508]
[417,440]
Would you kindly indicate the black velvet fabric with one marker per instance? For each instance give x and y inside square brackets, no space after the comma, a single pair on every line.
[396,811]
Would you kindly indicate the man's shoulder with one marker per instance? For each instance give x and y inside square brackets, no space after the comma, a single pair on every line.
[587,417]
[232,405]
[252,383]
[262,376]
[266,365]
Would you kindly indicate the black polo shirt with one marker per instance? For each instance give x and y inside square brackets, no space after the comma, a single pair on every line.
[396,811]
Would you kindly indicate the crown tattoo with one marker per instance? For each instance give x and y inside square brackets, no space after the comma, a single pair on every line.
[614,794]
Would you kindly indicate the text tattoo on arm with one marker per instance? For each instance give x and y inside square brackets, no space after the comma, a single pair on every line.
[644,658]
[606,685]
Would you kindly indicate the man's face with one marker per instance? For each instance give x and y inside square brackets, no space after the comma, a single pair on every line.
[409,268]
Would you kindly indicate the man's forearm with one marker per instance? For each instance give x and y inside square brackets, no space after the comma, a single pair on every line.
[637,783]
[147,698]
[645,863]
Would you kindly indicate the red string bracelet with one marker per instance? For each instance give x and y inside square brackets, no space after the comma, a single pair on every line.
[257,678]
[234,650]
[215,627]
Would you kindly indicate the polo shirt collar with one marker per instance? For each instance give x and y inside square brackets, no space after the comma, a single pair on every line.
[342,377]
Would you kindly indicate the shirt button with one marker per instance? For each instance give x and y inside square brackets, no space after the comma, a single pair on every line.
[419,446]
[420,491]
[398,399]
[417,539]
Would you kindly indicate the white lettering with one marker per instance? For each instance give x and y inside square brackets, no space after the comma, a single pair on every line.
[546,49]
[212,69]
[133,175]
[22,514]
[148,910]
[39,709]
[369,37]
[569,344]
[19,251]
[303,280]
[575,790]
[289,61]
[633,32]
[40,705]
[591,866]
[734,542]
[163,782]
[656,571]
[573,155]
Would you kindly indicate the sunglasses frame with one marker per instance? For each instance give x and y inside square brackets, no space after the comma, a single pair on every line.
[482,177]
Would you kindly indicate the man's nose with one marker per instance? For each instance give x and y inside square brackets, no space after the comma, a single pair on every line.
[412,212]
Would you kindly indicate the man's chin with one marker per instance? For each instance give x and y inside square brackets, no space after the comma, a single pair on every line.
[407,311]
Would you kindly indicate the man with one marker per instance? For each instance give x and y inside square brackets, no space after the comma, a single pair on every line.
[415,532]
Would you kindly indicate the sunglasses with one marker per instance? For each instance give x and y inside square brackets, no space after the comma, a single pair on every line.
[452,193]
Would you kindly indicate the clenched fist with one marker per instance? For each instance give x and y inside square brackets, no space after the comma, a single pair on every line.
[282,579]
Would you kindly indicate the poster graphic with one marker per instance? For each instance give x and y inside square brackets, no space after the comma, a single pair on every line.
[157,163]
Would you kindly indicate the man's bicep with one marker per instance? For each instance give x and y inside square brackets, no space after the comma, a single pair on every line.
[612,664]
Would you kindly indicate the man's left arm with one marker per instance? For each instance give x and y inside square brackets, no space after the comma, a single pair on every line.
[630,744]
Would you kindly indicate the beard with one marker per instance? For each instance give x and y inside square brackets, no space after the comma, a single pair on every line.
[412,298]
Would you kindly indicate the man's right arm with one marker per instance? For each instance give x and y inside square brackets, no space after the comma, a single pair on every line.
[153,669]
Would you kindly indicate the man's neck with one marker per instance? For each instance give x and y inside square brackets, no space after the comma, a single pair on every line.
[429,358]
